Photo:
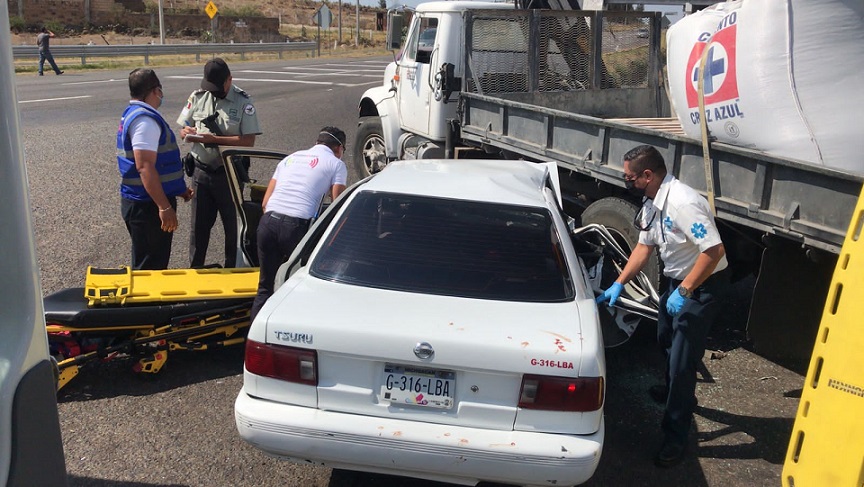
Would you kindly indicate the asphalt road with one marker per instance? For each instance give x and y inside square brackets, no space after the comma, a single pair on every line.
[177,428]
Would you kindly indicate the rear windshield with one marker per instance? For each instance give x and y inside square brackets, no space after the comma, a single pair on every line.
[446,247]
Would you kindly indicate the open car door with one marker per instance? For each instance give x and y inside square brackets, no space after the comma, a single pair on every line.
[249,172]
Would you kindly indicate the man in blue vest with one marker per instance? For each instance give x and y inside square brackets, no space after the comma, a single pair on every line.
[152,174]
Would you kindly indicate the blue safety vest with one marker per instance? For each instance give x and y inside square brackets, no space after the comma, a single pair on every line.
[168,163]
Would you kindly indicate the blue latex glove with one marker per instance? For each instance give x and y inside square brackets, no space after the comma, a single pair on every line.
[611,294]
[675,303]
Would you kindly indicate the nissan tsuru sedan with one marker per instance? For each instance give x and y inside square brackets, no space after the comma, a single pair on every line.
[434,323]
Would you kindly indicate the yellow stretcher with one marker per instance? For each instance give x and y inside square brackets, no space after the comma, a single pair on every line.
[827,443]
[145,314]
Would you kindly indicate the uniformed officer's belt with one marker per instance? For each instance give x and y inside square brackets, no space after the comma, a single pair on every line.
[286,218]
[208,169]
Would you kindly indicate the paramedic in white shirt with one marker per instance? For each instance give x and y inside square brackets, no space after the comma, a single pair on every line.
[678,221]
[293,197]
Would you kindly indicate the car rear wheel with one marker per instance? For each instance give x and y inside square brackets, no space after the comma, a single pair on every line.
[370,155]
[617,214]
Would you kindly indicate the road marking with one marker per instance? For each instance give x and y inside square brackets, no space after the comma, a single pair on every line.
[55,99]
[271,80]
[112,80]
[329,73]
[343,65]
[341,70]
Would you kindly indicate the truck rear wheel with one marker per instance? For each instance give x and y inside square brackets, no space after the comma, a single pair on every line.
[617,214]
[370,155]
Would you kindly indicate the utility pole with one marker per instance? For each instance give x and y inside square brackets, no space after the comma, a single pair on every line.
[161,24]
[357,30]
[340,21]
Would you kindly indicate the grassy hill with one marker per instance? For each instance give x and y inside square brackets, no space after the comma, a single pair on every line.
[295,20]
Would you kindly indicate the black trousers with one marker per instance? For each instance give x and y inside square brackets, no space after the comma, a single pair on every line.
[682,339]
[212,197]
[278,235]
[151,246]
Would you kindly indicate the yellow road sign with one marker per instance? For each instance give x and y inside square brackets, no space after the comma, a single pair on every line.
[211,9]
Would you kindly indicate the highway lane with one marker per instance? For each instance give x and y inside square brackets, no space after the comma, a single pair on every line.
[177,428]
[70,121]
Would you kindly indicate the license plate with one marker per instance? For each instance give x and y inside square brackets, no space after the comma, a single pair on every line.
[418,386]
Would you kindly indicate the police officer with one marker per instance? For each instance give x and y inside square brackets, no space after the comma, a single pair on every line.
[152,175]
[677,220]
[292,198]
[218,114]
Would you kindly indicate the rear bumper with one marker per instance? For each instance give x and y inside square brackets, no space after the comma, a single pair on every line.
[432,451]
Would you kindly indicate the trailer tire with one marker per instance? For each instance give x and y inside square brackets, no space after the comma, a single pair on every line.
[617,214]
[369,155]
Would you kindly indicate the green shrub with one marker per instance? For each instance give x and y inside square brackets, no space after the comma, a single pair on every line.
[242,11]
[54,26]
[17,24]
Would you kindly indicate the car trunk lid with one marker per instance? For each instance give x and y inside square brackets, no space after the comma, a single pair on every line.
[371,343]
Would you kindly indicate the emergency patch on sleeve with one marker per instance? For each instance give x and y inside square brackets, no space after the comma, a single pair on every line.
[667,223]
[249,109]
[698,230]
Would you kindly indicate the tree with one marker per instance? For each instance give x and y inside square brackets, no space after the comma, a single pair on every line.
[382,4]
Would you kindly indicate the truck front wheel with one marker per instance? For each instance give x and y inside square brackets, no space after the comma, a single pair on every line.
[370,155]
[617,215]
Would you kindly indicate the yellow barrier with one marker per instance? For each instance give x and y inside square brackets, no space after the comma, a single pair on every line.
[827,444]
[123,285]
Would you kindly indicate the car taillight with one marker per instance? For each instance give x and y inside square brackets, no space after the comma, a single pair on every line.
[285,363]
[561,393]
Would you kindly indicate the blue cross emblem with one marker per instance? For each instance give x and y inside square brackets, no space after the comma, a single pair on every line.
[714,67]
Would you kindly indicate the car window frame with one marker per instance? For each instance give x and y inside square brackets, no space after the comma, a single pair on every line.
[571,291]
[320,227]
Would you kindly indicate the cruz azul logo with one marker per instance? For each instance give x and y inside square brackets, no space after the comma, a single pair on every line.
[720,83]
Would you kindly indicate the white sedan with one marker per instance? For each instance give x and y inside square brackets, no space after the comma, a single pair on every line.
[436,322]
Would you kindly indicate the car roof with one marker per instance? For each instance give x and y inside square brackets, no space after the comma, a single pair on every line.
[460,5]
[496,181]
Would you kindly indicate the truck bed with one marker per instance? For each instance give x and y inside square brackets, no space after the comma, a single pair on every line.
[789,198]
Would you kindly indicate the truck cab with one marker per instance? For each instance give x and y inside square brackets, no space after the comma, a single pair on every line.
[417,83]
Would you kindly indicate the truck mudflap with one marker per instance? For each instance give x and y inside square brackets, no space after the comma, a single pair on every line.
[785,311]
[604,259]
[143,315]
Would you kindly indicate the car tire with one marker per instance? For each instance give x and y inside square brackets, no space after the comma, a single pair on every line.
[617,214]
[369,154]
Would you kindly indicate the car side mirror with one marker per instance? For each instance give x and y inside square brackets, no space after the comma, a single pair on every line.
[394,31]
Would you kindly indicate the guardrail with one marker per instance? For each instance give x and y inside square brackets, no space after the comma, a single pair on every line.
[147,50]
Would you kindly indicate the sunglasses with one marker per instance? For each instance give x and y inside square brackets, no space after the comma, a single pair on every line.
[633,177]
[637,220]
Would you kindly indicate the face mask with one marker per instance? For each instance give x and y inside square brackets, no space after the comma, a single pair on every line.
[631,187]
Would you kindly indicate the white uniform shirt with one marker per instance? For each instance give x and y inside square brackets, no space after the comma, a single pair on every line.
[680,223]
[144,131]
[303,178]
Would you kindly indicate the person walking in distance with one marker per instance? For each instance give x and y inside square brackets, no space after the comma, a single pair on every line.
[293,197]
[43,41]
[219,114]
[677,220]
[152,175]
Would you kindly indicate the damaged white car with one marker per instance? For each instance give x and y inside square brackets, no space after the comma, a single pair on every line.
[436,322]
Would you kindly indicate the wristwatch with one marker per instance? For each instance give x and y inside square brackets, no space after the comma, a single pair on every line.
[685,292]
